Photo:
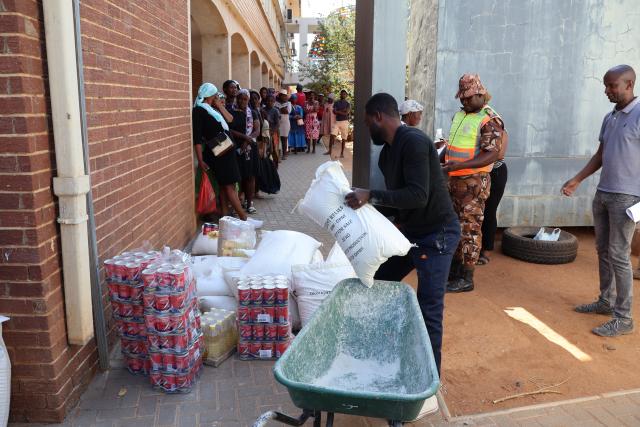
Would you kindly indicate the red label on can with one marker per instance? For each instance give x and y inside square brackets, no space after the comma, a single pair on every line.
[183,381]
[150,321]
[178,278]
[271,311]
[255,312]
[113,290]
[131,329]
[271,332]
[269,295]
[109,268]
[244,295]
[153,340]
[120,326]
[258,332]
[243,350]
[282,294]
[281,347]
[254,349]
[133,270]
[163,323]
[182,362]
[177,300]
[136,293]
[124,291]
[138,310]
[115,307]
[168,362]
[178,323]
[256,294]
[169,382]
[246,332]
[126,309]
[162,302]
[148,300]
[180,342]
[244,314]
[163,342]
[156,378]
[283,331]
[282,313]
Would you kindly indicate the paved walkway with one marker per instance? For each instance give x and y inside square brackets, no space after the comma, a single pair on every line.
[237,392]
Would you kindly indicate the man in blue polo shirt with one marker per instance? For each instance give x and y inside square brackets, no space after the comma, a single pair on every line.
[619,157]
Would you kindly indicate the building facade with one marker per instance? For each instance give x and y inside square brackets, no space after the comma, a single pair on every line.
[139,63]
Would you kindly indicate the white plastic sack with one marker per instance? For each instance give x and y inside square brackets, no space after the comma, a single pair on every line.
[278,251]
[549,237]
[203,265]
[365,235]
[225,303]
[205,245]
[209,276]
[313,283]
[294,314]
[317,257]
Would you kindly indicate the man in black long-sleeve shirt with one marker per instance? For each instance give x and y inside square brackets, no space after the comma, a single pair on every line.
[418,200]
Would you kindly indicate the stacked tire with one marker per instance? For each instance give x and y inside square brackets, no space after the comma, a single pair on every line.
[518,242]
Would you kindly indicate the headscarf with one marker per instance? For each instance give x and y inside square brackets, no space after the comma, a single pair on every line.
[410,106]
[205,91]
[470,85]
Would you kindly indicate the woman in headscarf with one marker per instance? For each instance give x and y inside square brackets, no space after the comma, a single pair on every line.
[210,121]
[311,124]
[245,127]
[296,134]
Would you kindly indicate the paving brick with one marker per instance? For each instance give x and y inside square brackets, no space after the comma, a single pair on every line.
[147,406]
[187,419]
[254,390]
[166,415]
[209,417]
[136,422]
[116,413]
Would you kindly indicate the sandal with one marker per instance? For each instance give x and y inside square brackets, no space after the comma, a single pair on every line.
[483,259]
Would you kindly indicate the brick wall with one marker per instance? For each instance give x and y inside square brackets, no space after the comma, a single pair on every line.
[137,85]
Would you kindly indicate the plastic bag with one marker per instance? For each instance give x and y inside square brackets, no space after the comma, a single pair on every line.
[235,234]
[268,178]
[207,197]
[548,237]
[365,235]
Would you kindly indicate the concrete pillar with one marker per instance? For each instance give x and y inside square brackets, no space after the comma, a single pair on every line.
[381,38]
[240,69]
[216,59]
[256,72]
[304,48]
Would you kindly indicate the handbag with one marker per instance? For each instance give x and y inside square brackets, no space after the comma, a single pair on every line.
[220,144]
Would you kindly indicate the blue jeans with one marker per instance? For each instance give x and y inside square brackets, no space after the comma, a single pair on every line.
[432,258]
[614,232]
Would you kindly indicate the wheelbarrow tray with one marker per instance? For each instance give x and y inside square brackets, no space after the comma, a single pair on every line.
[365,352]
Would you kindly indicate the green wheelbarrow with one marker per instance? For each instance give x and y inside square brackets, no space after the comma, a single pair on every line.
[365,352]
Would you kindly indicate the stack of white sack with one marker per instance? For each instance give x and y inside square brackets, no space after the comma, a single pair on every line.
[312,283]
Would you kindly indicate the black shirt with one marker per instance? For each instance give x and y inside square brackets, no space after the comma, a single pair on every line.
[415,183]
[341,104]
[205,128]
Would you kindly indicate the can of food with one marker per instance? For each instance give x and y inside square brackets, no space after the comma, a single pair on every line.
[271,312]
[178,323]
[208,227]
[267,350]
[169,382]
[162,302]
[281,347]
[134,364]
[137,310]
[113,289]
[178,278]
[283,331]
[281,278]
[168,362]
[271,332]
[145,261]
[136,293]
[115,308]
[124,291]
[256,311]
[133,271]
[182,362]
[177,300]
[126,309]
[245,332]
[183,381]
[148,299]
[109,268]
[268,279]
[269,295]
[254,349]
[282,294]
[282,314]
[131,329]
[243,350]
[163,278]
[155,378]
[148,277]
[256,294]
[153,341]
[162,323]
[258,332]
[120,270]
[244,295]
[120,327]
[181,342]
[244,314]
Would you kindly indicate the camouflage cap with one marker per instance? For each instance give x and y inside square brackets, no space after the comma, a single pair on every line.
[470,85]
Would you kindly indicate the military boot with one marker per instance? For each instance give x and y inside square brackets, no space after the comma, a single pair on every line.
[464,283]
[455,272]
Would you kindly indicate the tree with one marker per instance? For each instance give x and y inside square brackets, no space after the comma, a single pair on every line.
[332,54]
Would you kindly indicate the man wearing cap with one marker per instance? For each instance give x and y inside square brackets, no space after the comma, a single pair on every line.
[474,144]
[411,112]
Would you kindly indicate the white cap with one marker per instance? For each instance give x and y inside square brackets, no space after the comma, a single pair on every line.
[410,106]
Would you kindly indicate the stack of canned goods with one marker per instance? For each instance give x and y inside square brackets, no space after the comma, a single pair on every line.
[263,317]
[126,294]
[172,323]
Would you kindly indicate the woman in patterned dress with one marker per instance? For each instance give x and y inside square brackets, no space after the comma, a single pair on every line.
[311,123]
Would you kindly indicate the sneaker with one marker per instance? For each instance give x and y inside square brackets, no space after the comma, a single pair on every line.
[251,209]
[598,307]
[459,285]
[614,327]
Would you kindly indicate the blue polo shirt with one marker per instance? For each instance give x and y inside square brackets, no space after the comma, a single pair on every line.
[620,138]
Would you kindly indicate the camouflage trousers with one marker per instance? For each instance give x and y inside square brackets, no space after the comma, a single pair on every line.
[469,194]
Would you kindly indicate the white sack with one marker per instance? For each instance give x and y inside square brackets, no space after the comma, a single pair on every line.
[294,314]
[203,265]
[278,251]
[225,303]
[205,245]
[365,235]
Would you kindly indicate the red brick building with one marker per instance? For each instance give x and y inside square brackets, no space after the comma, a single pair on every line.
[137,58]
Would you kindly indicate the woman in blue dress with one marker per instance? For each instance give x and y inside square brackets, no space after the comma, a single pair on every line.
[297,141]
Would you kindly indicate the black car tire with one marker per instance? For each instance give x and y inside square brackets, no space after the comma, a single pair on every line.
[517,242]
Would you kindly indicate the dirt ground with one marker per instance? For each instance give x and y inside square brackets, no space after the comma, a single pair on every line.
[488,355]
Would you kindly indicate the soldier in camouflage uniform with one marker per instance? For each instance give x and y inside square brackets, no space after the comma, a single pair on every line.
[474,144]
